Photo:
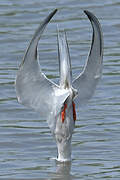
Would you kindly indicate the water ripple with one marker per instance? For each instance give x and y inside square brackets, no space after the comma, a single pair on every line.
[26,144]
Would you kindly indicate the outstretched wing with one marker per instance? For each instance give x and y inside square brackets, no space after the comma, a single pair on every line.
[32,86]
[86,82]
[64,61]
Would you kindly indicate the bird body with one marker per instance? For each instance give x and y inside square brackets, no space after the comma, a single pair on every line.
[55,102]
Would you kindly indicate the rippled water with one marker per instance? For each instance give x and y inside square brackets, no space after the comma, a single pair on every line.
[26,145]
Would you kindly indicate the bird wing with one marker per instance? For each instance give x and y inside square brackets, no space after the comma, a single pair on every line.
[33,88]
[64,61]
[86,82]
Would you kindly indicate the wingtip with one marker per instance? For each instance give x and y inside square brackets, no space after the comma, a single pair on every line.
[86,11]
[52,14]
[95,23]
[54,11]
[89,14]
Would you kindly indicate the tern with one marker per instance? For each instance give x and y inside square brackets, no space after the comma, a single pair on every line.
[56,103]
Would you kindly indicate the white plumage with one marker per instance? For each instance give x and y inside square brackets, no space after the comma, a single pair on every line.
[55,102]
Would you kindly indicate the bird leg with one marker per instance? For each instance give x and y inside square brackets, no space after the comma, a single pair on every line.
[74,111]
[63,113]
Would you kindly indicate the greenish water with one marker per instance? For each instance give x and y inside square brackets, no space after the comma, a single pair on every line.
[26,144]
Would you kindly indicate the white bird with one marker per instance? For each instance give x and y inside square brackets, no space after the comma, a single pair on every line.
[55,102]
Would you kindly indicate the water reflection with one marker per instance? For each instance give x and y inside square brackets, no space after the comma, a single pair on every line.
[63,171]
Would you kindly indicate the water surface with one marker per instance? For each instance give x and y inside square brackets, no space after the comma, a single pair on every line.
[26,145]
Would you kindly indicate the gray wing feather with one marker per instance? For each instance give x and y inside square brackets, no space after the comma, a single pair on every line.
[86,82]
[64,61]
[33,89]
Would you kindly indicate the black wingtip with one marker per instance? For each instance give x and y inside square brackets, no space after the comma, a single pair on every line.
[95,24]
[85,11]
[54,12]
[51,15]
[89,14]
